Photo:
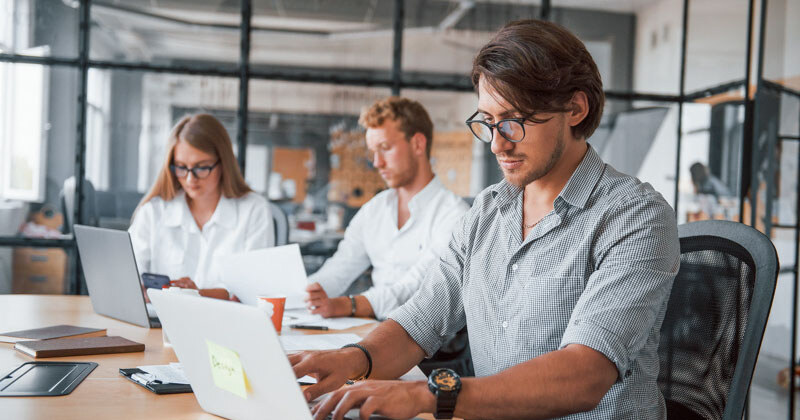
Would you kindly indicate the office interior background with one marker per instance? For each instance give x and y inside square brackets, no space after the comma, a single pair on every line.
[89,91]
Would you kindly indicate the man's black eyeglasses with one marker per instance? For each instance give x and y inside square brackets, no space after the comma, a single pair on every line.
[512,129]
[199,172]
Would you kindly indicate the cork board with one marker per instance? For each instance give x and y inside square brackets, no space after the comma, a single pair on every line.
[451,157]
[353,180]
[294,164]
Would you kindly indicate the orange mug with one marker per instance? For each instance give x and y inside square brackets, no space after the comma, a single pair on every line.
[278,303]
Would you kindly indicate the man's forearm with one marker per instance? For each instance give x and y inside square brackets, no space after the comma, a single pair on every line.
[393,351]
[363,307]
[566,381]
[343,306]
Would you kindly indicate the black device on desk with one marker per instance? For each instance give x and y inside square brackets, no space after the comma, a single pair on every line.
[45,379]
[139,377]
[154,281]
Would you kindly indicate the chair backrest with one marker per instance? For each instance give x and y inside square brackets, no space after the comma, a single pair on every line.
[281,223]
[715,319]
[67,199]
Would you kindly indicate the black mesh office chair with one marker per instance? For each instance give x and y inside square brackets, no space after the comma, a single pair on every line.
[715,319]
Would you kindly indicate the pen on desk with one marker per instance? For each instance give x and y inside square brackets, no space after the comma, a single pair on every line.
[141,379]
[310,327]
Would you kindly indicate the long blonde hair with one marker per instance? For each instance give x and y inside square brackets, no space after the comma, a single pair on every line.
[206,133]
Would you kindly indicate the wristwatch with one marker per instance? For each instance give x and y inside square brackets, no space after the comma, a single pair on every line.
[445,384]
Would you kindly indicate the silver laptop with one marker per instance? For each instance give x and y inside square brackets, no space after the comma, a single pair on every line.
[112,277]
[198,327]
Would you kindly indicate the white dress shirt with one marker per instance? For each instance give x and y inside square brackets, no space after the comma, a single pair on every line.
[399,257]
[166,239]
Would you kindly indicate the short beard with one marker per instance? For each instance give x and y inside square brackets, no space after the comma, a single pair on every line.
[548,166]
[405,177]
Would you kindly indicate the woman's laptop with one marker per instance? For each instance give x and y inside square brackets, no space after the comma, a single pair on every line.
[112,277]
[232,357]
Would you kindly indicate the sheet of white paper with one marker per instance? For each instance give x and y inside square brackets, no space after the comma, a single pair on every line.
[276,271]
[167,374]
[302,317]
[293,343]
[330,323]
[415,374]
[306,380]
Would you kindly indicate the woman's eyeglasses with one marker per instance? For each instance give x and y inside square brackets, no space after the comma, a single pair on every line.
[199,172]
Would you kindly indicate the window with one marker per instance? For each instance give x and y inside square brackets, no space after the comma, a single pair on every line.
[23,106]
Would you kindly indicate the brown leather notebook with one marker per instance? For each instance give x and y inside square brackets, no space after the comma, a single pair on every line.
[46,333]
[78,346]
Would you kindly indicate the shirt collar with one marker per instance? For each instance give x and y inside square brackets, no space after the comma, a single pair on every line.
[577,190]
[225,213]
[425,195]
[504,192]
[177,210]
[583,180]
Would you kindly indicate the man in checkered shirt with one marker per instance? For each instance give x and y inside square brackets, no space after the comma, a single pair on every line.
[561,272]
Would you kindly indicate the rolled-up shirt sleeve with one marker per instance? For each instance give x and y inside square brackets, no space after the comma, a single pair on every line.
[625,296]
[436,310]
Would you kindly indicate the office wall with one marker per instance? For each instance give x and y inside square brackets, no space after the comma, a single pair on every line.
[715,51]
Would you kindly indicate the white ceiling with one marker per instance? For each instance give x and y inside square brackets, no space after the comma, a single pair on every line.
[142,37]
[620,6]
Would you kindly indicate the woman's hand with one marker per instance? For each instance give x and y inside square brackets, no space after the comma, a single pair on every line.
[184,282]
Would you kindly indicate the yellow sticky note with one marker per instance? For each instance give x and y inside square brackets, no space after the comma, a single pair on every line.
[226,369]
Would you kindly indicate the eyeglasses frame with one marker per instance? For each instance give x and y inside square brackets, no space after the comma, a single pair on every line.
[520,121]
[173,167]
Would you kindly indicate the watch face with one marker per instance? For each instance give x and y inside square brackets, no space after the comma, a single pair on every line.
[445,380]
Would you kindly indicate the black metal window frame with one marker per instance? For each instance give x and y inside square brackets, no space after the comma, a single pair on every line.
[396,82]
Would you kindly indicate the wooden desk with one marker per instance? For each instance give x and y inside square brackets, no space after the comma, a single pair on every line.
[104,393]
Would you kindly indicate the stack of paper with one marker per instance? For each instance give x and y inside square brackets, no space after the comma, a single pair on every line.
[302,317]
[292,343]
[167,374]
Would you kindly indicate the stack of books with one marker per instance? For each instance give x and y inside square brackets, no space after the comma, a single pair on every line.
[68,340]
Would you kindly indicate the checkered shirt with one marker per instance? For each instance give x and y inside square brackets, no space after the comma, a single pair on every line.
[596,271]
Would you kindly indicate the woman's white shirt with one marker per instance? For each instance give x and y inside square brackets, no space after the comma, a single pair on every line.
[166,239]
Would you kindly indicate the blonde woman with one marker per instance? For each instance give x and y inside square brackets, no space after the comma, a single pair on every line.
[199,210]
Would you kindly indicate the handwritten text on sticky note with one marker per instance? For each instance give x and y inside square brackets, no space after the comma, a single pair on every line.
[226,369]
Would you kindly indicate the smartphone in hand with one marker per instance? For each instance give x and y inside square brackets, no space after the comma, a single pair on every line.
[154,281]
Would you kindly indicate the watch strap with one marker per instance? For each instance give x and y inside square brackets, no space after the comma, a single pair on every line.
[445,404]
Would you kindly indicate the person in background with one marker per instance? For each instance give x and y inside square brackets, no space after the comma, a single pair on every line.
[706,183]
[199,210]
[400,231]
[561,272]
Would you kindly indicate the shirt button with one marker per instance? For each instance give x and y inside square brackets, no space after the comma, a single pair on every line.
[515,267]
[505,324]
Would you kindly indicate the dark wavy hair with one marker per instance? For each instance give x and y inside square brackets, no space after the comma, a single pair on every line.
[537,66]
